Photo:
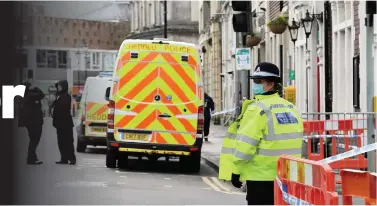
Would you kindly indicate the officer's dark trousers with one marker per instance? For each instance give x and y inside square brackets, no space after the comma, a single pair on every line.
[260,192]
[35,133]
[65,143]
[207,123]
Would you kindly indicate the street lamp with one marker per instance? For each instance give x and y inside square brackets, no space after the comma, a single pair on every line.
[307,22]
[293,30]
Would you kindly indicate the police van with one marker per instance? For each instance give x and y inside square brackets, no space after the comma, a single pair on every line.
[156,103]
[92,125]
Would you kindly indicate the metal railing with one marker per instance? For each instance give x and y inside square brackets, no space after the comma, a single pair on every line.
[329,134]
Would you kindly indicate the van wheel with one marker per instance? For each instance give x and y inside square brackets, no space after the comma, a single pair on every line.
[111,159]
[81,147]
[191,163]
[122,161]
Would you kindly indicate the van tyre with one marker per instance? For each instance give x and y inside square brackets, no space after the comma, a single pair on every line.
[81,147]
[191,163]
[122,161]
[111,159]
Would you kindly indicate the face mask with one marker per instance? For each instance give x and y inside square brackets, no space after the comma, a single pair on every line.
[258,89]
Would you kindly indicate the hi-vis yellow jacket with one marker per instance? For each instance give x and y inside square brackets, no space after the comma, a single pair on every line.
[226,155]
[270,127]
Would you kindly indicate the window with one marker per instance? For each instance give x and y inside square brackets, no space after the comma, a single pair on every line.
[62,59]
[96,60]
[52,59]
[108,61]
[87,60]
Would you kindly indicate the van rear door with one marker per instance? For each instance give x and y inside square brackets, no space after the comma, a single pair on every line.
[96,106]
[177,112]
[136,92]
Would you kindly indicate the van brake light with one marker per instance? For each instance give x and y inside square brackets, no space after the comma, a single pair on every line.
[200,120]
[110,116]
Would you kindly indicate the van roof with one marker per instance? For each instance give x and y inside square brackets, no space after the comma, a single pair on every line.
[158,40]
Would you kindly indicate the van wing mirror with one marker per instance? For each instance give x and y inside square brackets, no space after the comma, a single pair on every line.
[107,95]
[116,79]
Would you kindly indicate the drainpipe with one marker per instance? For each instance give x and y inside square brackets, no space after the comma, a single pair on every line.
[370,86]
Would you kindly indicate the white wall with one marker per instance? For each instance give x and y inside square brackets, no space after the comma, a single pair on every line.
[194,11]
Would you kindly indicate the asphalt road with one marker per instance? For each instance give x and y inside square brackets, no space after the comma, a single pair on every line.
[90,182]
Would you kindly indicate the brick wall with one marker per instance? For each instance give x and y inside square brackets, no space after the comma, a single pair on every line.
[59,32]
[357,27]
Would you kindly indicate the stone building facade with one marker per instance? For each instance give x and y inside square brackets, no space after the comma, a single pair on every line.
[71,49]
[210,41]
[147,20]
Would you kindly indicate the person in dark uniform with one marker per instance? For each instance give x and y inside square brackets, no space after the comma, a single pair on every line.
[62,121]
[31,117]
[209,106]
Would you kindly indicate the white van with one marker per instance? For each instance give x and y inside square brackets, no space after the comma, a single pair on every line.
[92,125]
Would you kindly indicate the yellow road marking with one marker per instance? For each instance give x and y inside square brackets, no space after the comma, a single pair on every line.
[209,183]
[217,185]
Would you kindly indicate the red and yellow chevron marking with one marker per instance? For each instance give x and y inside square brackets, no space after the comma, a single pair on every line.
[95,112]
[124,59]
[164,74]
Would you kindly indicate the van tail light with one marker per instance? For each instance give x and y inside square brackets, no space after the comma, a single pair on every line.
[200,120]
[110,116]
[83,118]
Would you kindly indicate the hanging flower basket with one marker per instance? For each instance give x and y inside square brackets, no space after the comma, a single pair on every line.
[278,25]
[278,28]
[252,40]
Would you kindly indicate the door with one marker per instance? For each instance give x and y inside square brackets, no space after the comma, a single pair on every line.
[96,107]
[177,112]
[135,96]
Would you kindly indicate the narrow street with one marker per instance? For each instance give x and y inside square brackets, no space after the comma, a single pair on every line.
[90,182]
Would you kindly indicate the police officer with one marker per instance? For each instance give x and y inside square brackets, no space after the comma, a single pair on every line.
[270,127]
[31,117]
[227,150]
[208,109]
[62,121]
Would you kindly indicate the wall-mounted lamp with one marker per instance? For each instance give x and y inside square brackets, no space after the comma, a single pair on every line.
[307,23]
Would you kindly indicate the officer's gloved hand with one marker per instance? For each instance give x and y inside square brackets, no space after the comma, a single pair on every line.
[236,181]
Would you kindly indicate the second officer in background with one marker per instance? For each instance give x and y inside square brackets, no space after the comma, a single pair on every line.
[270,127]
[62,121]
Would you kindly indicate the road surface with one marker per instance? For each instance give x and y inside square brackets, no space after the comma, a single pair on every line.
[90,182]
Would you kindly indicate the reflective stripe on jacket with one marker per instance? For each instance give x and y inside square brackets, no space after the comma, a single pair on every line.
[227,150]
[270,127]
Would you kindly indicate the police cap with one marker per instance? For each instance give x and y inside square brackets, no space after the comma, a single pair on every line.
[266,70]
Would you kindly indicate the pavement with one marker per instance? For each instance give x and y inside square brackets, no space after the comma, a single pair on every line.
[90,182]
[211,155]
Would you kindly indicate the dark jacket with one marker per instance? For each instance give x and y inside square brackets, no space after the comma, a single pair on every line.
[31,108]
[62,107]
[209,105]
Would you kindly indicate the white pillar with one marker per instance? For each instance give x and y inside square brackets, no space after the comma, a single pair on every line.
[375,53]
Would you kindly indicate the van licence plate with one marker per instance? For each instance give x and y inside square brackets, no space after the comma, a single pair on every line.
[139,137]
[99,129]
